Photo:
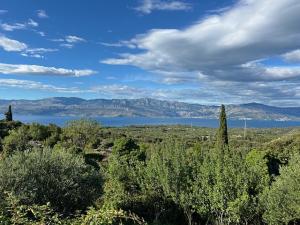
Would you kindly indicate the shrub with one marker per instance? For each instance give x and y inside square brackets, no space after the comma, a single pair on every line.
[282,200]
[81,134]
[17,140]
[111,216]
[41,176]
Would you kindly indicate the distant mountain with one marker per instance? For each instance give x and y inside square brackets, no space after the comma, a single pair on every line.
[144,107]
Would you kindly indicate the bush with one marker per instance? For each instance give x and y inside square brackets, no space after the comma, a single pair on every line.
[81,135]
[6,126]
[12,212]
[17,140]
[26,137]
[111,216]
[282,200]
[42,176]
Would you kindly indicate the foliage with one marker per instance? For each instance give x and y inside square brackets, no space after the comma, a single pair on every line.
[5,127]
[8,114]
[111,217]
[17,140]
[282,200]
[171,165]
[12,212]
[27,137]
[124,166]
[81,135]
[57,177]
[161,175]
[222,135]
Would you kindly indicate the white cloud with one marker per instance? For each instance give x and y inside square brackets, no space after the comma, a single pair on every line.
[57,40]
[220,46]
[74,39]
[41,33]
[12,27]
[32,23]
[11,45]
[128,44]
[293,56]
[42,70]
[66,45]
[37,52]
[42,14]
[19,26]
[40,50]
[33,85]
[69,41]
[147,6]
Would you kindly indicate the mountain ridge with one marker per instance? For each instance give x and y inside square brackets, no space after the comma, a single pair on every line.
[145,107]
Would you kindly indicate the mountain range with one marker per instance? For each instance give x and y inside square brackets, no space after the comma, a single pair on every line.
[145,107]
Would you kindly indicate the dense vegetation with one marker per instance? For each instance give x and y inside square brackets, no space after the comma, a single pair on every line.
[87,174]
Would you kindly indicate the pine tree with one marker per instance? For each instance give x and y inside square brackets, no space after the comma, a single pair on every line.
[222,138]
[8,114]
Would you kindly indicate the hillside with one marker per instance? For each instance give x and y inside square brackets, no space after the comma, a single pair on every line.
[145,107]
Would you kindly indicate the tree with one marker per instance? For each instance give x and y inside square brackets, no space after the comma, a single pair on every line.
[8,114]
[222,135]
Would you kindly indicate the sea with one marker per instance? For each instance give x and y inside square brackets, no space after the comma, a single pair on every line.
[148,121]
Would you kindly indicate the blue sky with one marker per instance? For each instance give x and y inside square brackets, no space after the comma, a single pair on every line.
[208,52]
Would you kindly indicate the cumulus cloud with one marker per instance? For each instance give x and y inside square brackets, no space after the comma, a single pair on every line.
[18,69]
[224,46]
[19,26]
[34,85]
[42,14]
[147,6]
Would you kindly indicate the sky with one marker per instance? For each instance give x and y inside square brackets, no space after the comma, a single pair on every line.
[206,52]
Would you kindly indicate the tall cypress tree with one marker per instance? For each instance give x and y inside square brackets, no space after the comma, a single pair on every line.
[8,114]
[222,138]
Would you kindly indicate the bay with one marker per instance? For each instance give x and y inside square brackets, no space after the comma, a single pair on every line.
[140,121]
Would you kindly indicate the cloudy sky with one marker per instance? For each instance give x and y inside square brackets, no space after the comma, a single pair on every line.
[208,52]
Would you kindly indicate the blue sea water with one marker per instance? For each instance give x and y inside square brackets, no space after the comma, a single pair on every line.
[139,121]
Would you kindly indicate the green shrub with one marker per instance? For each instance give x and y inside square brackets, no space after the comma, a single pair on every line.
[12,212]
[17,140]
[81,135]
[111,217]
[282,200]
[57,177]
